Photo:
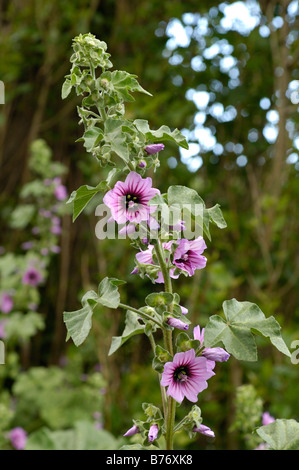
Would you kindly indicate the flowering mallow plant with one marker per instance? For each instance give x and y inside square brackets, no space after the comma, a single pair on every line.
[128,201]
[167,248]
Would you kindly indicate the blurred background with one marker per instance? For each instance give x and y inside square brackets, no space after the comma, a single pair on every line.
[227,75]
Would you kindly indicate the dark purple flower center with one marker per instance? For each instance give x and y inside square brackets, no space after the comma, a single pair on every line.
[183,258]
[32,275]
[181,374]
[131,200]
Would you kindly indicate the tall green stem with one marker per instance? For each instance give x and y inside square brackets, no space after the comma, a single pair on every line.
[171,404]
[141,314]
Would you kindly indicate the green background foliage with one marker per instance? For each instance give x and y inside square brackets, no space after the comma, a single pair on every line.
[228,85]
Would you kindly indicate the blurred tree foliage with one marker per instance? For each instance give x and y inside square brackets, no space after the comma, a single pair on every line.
[229,82]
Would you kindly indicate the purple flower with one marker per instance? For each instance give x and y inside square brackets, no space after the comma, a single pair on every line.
[154,148]
[128,201]
[45,213]
[27,245]
[133,430]
[188,255]
[6,303]
[18,438]
[213,354]
[55,249]
[187,375]
[60,192]
[32,306]
[176,323]
[267,418]
[153,432]
[146,257]
[204,430]
[32,277]
[55,220]
[56,229]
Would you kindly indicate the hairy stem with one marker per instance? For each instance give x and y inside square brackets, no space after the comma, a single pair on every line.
[171,404]
[141,314]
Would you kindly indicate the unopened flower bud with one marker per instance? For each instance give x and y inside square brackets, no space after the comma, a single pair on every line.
[104,82]
[133,430]
[154,148]
[153,432]
[142,164]
[176,323]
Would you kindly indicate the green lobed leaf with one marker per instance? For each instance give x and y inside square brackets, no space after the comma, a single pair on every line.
[282,434]
[83,436]
[108,294]
[235,331]
[183,195]
[132,328]
[92,137]
[83,195]
[161,134]
[79,322]
[116,138]
[122,83]
[214,215]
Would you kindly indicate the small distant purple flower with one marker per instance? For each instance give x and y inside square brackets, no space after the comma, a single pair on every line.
[32,306]
[44,251]
[55,249]
[97,415]
[188,255]
[6,303]
[213,354]
[263,446]
[32,277]
[18,438]
[128,200]
[154,148]
[27,245]
[55,220]
[133,430]
[60,192]
[98,425]
[176,323]
[45,213]
[187,375]
[153,432]
[204,430]
[56,229]
[267,418]
[35,230]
